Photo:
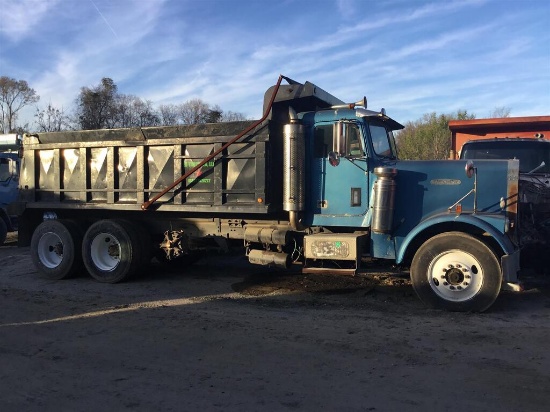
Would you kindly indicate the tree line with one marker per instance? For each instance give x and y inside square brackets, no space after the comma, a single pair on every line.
[104,107]
[101,107]
[429,138]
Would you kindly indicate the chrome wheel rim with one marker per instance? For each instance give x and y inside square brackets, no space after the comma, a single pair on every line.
[105,252]
[455,275]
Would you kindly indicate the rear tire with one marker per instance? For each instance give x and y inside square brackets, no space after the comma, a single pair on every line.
[456,272]
[55,249]
[112,250]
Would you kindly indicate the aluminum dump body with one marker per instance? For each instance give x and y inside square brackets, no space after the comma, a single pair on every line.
[120,169]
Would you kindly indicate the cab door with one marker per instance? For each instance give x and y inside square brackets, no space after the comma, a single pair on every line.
[339,195]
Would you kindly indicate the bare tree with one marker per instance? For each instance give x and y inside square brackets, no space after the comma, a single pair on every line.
[14,95]
[131,111]
[51,119]
[124,110]
[194,111]
[103,107]
[499,112]
[169,114]
[146,113]
[22,129]
[233,117]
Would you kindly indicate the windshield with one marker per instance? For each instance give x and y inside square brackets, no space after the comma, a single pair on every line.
[529,154]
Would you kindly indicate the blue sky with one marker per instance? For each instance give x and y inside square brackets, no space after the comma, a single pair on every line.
[410,56]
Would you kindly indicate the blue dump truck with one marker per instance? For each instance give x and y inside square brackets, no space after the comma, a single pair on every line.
[9,182]
[315,183]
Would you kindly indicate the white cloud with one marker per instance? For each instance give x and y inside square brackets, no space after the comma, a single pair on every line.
[19,18]
[406,14]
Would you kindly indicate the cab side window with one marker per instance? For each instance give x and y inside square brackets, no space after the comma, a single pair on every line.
[354,147]
[322,141]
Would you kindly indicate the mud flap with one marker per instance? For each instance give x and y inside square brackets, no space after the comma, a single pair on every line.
[510,267]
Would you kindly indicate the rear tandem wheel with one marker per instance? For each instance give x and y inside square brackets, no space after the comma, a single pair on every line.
[56,249]
[113,250]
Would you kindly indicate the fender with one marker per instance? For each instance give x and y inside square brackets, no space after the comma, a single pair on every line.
[503,241]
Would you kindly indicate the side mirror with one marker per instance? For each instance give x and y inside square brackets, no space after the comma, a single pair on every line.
[333,159]
[469,169]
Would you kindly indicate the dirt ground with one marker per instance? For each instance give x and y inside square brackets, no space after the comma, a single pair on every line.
[224,335]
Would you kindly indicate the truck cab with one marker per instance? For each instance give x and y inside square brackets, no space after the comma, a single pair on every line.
[344,148]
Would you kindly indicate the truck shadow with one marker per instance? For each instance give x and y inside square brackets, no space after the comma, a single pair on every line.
[379,282]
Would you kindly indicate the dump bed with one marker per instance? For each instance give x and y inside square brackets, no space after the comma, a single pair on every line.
[122,168]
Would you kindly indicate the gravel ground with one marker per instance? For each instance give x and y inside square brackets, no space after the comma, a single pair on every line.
[224,335]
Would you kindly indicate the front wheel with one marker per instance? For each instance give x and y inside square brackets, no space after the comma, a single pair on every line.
[457,272]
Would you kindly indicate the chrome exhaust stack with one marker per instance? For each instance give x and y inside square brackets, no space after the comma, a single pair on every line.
[384,199]
[294,160]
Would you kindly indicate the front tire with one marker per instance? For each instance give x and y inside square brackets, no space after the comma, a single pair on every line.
[55,249]
[457,272]
[112,250]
